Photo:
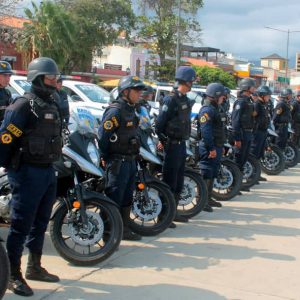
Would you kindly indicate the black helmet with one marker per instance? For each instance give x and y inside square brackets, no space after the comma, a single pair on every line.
[41,66]
[147,91]
[215,90]
[286,92]
[5,67]
[246,83]
[227,90]
[263,90]
[130,82]
[186,74]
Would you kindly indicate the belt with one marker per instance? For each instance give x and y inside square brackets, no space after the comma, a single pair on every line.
[123,157]
[176,142]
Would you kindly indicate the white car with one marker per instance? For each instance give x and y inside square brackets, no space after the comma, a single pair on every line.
[80,94]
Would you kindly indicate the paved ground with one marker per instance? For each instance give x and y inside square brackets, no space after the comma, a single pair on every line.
[249,249]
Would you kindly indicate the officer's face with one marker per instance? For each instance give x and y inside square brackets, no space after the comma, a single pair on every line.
[50,80]
[58,85]
[184,88]
[266,98]
[133,95]
[4,80]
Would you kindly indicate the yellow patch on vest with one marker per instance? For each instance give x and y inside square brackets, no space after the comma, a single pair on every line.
[6,138]
[203,119]
[14,130]
[115,121]
[129,124]
[108,125]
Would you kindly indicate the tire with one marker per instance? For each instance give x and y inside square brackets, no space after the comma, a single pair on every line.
[273,161]
[4,270]
[251,172]
[290,154]
[72,244]
[193,197]
[229,182]
[152,217]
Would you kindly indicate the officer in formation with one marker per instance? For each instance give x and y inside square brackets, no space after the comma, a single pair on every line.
[295,107]
[211,129]
[282,117]
[146,96]
[119,145]
[30,141]
[173,127]
[61,97]
[5,95]
[242,121]
[261,122]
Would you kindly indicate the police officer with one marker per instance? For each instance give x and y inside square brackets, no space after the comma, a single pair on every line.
[211,129]
[61,97]
[30,141]
[261,121]
[173,127]
[242,121]
[282,117]
[254,97]
[295,111]
[5,95]
[147,95]
[119,145]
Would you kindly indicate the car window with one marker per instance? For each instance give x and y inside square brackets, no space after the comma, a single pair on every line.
[94,92]
[72,96]
[24,84]
[195,96]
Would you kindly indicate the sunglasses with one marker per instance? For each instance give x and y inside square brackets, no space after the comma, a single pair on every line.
[52,77]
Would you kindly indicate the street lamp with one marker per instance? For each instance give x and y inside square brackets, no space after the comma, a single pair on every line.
[287,46]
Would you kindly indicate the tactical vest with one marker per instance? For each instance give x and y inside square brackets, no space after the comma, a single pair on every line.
[262,120]
[5,98]
[285,115]
[125,140]
[218,125]
[179,126]
[246,119]
[42,144]
[296,113]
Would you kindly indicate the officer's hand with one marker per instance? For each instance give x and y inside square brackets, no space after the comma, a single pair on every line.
[212,154]
[103,163]
[160,146]
[238,144]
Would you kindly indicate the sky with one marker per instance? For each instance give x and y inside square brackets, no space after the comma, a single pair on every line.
[238,27]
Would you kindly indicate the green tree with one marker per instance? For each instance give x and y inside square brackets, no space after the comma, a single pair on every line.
[208,75]
[159,28]
[50,33]
[99,23]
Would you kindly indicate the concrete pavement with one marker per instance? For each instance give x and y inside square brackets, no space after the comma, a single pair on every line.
[249,249]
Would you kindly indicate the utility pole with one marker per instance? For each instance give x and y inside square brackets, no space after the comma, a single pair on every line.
[178,35]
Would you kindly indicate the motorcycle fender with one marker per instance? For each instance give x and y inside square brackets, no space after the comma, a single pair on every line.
[89,195]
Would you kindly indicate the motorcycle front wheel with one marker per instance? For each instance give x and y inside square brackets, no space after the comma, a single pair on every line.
[153,209]
[87,245]
[273,161]
[229,182]
[290,154]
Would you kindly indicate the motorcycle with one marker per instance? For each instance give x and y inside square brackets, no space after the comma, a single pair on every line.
[4,270]
[291,152]
[273,161]
[86,226]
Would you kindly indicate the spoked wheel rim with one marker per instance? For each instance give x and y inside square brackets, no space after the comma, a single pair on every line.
[271,160]
[224,181]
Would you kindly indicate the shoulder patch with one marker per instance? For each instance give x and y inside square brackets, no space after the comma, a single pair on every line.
[6,138]
[115,121]
[129,124]
[108,125]
[14,130]
[203,119]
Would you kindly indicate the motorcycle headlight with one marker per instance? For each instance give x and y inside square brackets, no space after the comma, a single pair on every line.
[94,154]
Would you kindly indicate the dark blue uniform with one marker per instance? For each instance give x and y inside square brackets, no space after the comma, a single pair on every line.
[281,119]
[242,124]
[119,146]
[261,124]
[295,112]
[30,140]
[174,124]
[5,99]
[211,129]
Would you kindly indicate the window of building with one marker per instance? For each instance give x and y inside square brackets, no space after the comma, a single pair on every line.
[138,67]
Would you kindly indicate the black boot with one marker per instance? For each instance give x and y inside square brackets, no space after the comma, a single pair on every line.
[208,208]
[214,203]
[179,218]
[262,179]
[210,202]
[127,233]
[17,284]
[36,272]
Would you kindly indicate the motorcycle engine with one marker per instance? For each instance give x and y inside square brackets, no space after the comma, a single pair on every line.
[5,206]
